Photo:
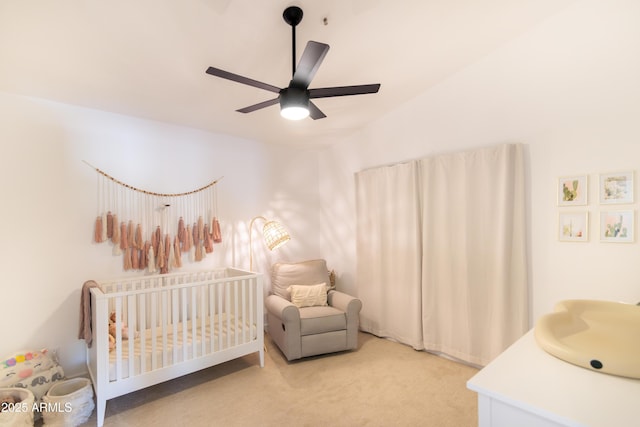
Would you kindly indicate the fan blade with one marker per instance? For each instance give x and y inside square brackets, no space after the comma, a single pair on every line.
[314,112]
[343,91]
[240,79]
[258,106]
[309,63]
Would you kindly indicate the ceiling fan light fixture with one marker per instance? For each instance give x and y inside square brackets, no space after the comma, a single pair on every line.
[294,103]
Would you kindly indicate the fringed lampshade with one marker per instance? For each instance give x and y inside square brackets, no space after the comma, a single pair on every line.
[274,235]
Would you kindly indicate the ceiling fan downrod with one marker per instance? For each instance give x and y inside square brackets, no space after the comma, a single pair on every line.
[292,16]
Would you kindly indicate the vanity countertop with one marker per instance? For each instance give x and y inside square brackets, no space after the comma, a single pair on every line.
[526,377]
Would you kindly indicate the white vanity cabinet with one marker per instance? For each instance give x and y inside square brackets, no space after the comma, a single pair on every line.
[527,387]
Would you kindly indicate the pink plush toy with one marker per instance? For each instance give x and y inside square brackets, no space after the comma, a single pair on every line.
[112,331]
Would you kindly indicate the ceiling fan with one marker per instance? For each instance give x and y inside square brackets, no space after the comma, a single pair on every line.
[295,99]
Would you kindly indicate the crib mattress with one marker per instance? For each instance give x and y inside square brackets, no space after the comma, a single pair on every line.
[226,332]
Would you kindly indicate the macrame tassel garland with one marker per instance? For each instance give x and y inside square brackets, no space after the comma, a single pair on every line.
[151,231]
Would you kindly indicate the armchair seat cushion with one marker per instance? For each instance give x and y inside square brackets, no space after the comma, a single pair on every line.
[321,319]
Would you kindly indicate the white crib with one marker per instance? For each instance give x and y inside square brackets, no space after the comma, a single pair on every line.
[178,324]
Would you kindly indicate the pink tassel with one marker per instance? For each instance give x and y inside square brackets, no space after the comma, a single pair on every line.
[194,230]
[138,240]
[124,240]
[156,244]
[176,252]
[200,229]
[167,251]
[198,252]
[181,230]
[188,240]
[115,237]
[97,232]
[131,232]
[127,259]
[135,259]
[109,225]
[144,254]
[208,240]
[171,261]
[160,256]
[104,228]
[217,236]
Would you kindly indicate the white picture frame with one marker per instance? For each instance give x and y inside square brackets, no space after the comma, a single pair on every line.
[616,188]
[572,190]
[617,226]
[573,226]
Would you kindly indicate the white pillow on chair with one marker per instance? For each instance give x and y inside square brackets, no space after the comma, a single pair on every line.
[308,295]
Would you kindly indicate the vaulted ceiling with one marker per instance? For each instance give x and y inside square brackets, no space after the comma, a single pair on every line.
[147,58]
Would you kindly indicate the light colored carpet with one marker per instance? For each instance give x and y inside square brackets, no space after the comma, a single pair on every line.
[381,384]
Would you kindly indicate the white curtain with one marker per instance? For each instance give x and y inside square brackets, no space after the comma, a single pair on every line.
[471,233]
[389,256]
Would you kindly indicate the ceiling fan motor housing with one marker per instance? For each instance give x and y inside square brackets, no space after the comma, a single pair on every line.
[294,102]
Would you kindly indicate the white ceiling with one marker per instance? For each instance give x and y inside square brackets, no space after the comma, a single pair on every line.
[147,58]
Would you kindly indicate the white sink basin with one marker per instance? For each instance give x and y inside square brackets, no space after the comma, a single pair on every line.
[602,336]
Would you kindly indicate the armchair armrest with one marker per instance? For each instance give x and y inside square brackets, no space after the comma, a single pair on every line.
[282,309]
[344,302]
[351,306]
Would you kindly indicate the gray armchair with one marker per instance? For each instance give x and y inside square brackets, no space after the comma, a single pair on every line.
[319,320]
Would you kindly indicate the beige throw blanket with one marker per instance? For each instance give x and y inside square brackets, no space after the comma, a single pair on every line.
[85,332]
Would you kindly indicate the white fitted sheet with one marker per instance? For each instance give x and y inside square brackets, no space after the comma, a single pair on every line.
[227,332]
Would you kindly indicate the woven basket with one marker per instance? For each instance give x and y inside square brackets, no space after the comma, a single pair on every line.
[19,414]
[69,403]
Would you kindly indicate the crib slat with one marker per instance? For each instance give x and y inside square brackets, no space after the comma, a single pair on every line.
[227,313]
[210,316]
[163,326]
[198,339]
[220,317]
[235,311]
[251,309]
[143,333]
[244,311]
[118,325]
[131,317]
[175,318]
[154,331]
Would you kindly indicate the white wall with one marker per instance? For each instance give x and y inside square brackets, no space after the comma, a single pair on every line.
[569,90]
[49,204]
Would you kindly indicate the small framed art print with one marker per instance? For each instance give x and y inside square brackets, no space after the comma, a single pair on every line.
[572,190]
[616,188]
[617,226]
[573,226]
